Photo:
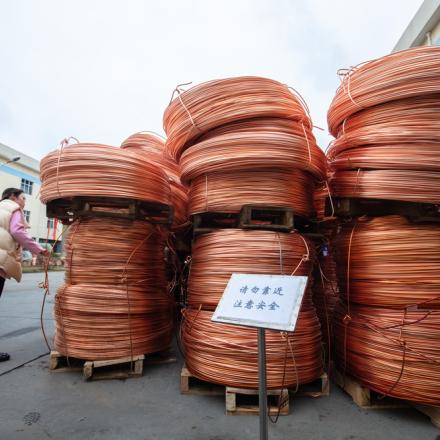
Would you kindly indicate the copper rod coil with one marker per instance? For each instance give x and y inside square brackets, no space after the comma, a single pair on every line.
[228,354]
[412,72]
[254,144]
[403,121]
[217,255]
[152,147]
[393,352]
[211,104]
[99,337]
[413,186]
[418,156]
[115,302]
[393,263]
[114,251]
[101,170]
[229,191]
[148,142]
[98,299]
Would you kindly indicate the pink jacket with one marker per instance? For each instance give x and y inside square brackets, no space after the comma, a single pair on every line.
[18,232]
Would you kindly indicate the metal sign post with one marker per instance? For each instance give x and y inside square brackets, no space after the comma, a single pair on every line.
[265,302]
[264,433]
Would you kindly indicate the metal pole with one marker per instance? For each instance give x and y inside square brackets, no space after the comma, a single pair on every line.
[262,383]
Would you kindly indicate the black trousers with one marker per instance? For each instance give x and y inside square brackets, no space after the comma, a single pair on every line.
[2,284]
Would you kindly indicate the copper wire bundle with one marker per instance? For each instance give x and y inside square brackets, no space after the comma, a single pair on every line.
[405,185]
[217,255]
[113,251]
[254,144]
[152,148]
[115,301]
[100,336]
[229,191]
[389,262]
[393,352]
[412,72]
[228,354]
[101,170]
[419,156]
[405,121]
[214,103]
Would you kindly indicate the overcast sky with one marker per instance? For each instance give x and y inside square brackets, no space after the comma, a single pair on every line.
[102,70]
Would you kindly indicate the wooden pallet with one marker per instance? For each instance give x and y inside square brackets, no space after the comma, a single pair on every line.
[317,388]
[257,217]
[357,207]
[68,210]
[241,399]
[369,399]
[122,368]
[243,402]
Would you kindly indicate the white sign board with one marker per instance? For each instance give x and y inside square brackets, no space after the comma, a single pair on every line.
[267,301]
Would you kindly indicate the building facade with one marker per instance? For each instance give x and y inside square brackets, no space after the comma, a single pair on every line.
[25,174]
[423,29]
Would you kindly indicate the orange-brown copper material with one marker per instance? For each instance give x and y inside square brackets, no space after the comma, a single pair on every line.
[393,263]
[228,354]
[265,143]
[214,103]
[405,74]
[405,185]
[152,148]
[229,191]
[101,170]
[115,302]
[393,352]
[217,255]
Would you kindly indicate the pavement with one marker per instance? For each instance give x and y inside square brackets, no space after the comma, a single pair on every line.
[38,404]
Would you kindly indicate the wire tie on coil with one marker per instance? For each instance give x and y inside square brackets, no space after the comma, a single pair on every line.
[307,140]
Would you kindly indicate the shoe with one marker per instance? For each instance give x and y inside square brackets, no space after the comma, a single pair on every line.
[4,357]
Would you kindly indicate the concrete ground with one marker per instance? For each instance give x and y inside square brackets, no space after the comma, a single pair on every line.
[38,404]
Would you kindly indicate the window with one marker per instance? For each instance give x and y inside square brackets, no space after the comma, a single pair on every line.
[26,186]
[50,223]
[27,215]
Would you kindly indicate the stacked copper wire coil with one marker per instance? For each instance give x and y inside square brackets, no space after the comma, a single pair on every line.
[245,140]
[102,171]
[226,354]
[387,326]
[114,302]
[386,119]
[152,148]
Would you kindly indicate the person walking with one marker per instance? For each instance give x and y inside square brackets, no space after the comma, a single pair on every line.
[13,237]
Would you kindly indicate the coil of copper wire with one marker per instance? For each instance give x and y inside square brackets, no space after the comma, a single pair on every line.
[389,262]
[113,251]
[393,352]
[254,144]
[101,170]
[229,191]
[214,103]
[217,255]
[152,147]
[405,185]
[228,354]
[115,302]
[404,121]
[405,74]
